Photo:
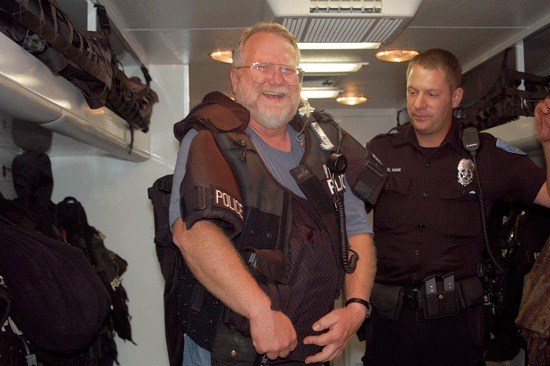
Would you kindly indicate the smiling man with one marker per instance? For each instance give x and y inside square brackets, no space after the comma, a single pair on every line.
[264,263]
[428,227]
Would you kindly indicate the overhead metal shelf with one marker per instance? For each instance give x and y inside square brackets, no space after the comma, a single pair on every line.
[30,91]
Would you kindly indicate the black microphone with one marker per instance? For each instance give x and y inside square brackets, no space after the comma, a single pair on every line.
[470,139]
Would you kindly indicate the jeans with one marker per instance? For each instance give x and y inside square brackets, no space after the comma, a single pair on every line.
[193,354]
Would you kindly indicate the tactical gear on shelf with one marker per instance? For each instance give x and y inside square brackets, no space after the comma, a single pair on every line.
[84,58]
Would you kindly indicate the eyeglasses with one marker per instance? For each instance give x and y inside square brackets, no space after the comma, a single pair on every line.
[262,72]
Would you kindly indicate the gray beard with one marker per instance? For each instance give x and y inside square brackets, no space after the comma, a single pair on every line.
[271,122]
[268,120]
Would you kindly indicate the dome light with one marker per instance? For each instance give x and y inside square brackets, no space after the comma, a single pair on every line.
[396,55]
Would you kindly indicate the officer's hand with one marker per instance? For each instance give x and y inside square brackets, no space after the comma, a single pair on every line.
[273,334]
[542,118]
[340,325]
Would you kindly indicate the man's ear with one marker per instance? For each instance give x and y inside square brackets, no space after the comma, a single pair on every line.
[457,97]
[233,78]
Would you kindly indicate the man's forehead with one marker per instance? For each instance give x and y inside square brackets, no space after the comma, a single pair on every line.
[266,45]
[419,75]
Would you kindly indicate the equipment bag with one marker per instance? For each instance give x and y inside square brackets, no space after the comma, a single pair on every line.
[34,211]
[109,266]
[57,300]
[171,264]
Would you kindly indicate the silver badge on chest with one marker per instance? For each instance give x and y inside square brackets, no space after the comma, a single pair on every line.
[466,169]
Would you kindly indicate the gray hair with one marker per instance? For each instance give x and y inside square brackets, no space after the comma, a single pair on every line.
[268,27]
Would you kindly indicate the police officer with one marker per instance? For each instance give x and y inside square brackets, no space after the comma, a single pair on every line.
[266,82]
[427,228]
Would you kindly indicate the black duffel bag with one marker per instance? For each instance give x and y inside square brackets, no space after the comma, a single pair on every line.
[57,300]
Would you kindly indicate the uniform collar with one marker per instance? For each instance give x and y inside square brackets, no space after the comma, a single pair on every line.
[407,136]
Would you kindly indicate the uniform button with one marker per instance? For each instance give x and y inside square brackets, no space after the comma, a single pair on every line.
[417,252]
[234,354]
[428,165]
[425,195]
[421,226]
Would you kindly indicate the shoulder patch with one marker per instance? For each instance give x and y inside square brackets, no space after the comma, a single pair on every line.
[501,144]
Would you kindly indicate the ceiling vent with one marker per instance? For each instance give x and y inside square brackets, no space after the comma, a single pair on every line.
[343,21]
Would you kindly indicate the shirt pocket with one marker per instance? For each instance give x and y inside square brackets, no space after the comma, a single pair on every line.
[461,211]
[389,213]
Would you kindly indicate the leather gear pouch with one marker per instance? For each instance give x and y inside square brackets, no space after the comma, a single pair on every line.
[231,348]
[440,297]
[268,267]
[470,292]
[387,300]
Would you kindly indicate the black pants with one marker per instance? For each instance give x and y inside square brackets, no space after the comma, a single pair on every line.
[413,340]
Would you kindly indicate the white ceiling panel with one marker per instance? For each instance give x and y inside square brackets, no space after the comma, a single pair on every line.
[185,31]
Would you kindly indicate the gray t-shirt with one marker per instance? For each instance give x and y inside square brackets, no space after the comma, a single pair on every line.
[279,164]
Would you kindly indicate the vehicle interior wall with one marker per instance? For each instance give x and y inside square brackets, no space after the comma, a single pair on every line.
[114,193]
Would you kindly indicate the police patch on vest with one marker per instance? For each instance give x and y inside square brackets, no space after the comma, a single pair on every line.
[226,201]
[466,169]
[501,144]
[335,183]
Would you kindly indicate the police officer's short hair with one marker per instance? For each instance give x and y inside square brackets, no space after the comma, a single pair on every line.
[437,58]
[268,27]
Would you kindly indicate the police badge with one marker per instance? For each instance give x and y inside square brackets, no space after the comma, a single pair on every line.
[466,169]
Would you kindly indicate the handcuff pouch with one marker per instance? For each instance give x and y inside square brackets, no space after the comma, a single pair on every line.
[387,300]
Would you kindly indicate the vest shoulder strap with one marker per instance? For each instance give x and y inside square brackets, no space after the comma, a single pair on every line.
[216,113]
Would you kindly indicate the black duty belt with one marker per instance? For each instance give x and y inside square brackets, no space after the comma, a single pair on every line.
[436,297]
[411,298]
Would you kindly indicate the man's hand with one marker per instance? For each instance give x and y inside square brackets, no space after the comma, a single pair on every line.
[273,334]
[218,266]
[542,118]
[340,325]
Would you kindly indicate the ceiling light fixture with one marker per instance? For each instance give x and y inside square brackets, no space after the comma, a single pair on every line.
[351,99]
[320,92]
[339,46]
[396,55]
[331,67]
[225,56]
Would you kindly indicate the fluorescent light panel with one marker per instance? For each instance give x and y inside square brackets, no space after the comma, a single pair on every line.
[319,92]
[332,67]
[339,46]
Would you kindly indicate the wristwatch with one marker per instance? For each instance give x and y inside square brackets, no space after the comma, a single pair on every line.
[362,302]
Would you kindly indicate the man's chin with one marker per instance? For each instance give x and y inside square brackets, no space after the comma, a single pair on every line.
[272,123]
[274,118]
